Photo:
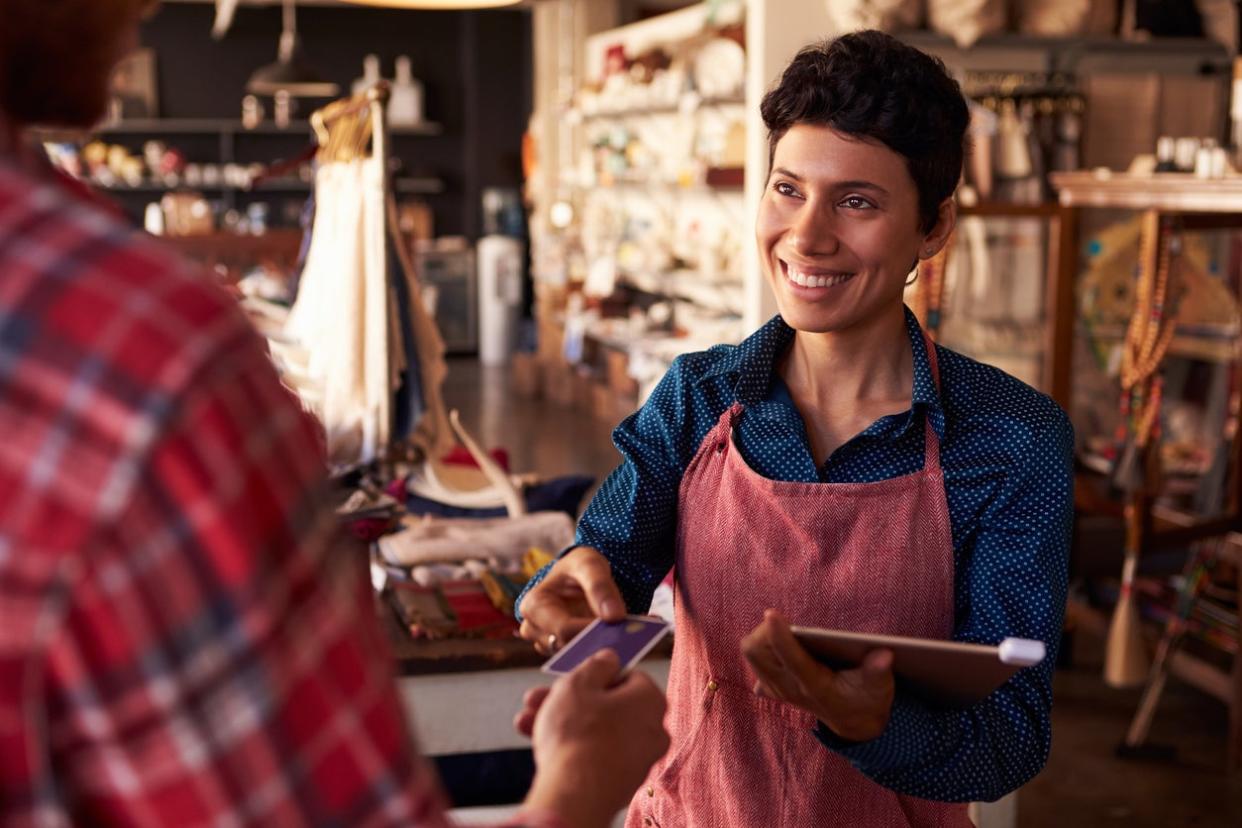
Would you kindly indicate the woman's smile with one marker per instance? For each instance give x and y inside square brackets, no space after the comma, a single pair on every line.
[811,282]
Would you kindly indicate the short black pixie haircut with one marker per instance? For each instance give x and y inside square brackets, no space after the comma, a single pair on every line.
[871,85]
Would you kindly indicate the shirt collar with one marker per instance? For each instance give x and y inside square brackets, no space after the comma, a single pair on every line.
[754,361]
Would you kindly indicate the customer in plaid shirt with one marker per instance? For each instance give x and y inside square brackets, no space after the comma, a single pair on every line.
[178,645]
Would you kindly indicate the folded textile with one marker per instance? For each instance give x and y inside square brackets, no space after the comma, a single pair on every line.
[428,540]
[534,560]
[502,590]
[422,611]
[560,494]
[474,611]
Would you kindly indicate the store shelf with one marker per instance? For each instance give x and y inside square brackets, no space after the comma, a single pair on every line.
[660,109]
[156,188]
[1077,54]
[418,186]
[719,295]
[1168,192]
[716,179]
[215,126]
[410,186]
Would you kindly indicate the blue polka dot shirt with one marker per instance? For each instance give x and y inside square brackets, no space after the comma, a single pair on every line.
[1007,455]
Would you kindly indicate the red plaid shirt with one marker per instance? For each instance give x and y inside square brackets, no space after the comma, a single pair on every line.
[178,644]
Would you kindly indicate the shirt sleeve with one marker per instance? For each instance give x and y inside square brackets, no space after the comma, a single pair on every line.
[1016,580]
[632,519]
[218,659]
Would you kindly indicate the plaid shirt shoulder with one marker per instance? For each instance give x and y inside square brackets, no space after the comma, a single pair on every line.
[179,645]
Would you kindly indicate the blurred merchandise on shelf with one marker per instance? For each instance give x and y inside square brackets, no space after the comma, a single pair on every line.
[993,305]
[967,20]
[1127,112]
[885,15]
[186,214]
[1023,126]
[447,272]
[405,106]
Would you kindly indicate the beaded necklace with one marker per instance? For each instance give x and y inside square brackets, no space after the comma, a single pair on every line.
[1151,330]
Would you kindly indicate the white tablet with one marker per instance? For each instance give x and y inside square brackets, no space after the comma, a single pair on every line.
[947,672]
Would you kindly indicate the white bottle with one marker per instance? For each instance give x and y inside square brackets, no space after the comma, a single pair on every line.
[370,74]
[405,106]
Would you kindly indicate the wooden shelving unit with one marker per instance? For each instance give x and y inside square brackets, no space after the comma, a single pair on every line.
[1190,203]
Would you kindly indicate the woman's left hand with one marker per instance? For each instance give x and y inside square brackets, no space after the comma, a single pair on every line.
[854,704]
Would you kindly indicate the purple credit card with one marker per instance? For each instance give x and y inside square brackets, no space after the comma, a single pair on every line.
[630,638]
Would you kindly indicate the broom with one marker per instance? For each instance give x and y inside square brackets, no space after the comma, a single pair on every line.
[1125,659]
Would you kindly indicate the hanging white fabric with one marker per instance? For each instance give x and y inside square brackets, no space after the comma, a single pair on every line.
[342,315]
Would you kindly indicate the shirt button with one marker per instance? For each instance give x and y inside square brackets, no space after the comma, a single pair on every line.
[650,791]
[712,685]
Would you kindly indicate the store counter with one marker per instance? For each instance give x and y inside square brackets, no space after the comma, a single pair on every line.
[462,694]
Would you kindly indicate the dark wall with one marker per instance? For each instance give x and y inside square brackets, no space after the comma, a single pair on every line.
[475,67]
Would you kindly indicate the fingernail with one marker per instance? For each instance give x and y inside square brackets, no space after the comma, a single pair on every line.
[611,607]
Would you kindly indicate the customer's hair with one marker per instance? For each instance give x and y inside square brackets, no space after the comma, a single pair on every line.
[873,86]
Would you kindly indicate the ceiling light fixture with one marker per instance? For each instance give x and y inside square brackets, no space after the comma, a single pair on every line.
[289,74]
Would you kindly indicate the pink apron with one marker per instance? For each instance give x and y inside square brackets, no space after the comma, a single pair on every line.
[872,557]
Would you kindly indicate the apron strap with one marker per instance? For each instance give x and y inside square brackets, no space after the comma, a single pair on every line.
[722,433]
[931,460]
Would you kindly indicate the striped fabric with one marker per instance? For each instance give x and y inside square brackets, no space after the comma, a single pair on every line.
[181,642]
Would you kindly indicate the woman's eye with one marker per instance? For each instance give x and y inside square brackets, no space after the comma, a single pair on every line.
[857,203]
[785,189]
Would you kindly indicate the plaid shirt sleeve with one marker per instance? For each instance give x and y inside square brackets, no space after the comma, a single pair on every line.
[206,653]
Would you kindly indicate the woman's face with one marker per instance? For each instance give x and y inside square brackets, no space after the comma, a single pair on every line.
[838,229]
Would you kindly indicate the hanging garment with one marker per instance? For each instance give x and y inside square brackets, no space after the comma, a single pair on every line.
[342,313]
[410,406]
[431,433]
[879,558]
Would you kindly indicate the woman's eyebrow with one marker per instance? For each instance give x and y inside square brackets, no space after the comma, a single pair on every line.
[860,184]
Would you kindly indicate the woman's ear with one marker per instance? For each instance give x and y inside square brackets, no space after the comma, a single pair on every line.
[938,237]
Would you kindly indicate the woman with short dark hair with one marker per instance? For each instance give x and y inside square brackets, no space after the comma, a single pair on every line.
[841,470]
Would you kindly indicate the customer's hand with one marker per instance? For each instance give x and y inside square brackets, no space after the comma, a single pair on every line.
[578,589]
[524,720]
[854,704]
[594,740]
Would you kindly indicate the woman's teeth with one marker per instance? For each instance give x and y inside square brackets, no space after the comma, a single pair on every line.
[810,280]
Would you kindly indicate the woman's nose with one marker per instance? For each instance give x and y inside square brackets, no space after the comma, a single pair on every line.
[813,232]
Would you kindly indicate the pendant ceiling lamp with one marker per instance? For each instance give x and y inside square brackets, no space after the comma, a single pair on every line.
[289,73]
[435,5]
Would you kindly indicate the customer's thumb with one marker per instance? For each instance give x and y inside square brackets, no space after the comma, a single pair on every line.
[598,671]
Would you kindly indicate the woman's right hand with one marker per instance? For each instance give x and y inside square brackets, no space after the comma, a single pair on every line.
[578,589]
